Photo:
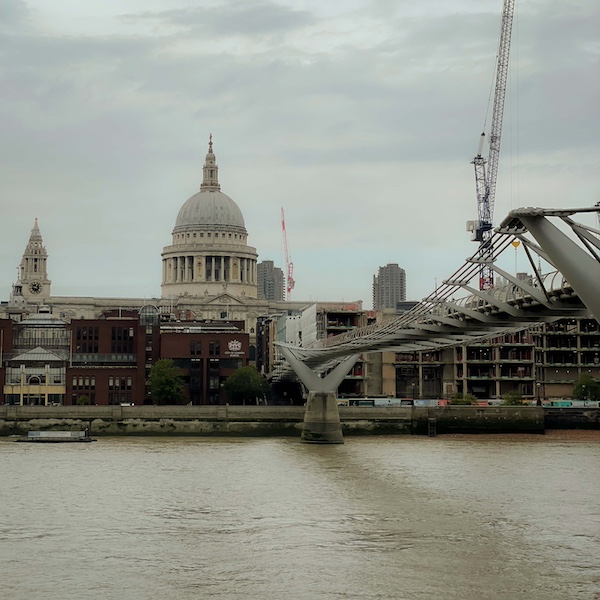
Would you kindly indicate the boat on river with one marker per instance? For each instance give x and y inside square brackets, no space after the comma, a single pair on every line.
[56,437]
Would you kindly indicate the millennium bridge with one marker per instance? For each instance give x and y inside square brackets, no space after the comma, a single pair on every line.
[458,312]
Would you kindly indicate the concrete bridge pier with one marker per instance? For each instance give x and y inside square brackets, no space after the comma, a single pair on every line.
[322,423]
[322,419]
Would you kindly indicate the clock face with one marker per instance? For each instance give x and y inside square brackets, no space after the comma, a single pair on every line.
[35,287]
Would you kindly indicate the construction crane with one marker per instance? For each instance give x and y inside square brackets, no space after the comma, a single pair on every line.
[485,177]
[288,263]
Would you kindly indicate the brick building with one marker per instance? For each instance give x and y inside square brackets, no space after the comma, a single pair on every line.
[106,361]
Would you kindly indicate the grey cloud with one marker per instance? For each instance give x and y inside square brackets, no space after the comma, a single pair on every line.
[236,18]
[13,14]
[114,107]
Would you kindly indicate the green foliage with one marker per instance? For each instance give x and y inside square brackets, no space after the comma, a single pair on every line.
[586,388]
[513,398]
[83,401]
[246,385]
[462,399]
[165,383]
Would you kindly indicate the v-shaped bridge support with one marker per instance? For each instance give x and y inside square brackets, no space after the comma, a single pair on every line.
[321,418]
[580,268]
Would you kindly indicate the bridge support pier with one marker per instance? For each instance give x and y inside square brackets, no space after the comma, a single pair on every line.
[322,419]
[322,423]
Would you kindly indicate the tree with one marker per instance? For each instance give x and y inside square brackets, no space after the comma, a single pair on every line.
[462,399]
[246,385]
[83,401]
[165,384]
[513,398]
[586,388]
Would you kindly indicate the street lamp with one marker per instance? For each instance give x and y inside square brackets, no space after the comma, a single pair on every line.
[538,386]
[412,385]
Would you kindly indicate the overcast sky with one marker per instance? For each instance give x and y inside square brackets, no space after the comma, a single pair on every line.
[358,117]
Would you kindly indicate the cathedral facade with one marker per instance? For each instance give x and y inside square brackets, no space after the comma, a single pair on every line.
[77,350]
[209,270]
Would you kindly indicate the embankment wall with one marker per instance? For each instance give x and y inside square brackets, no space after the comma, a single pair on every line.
[268,420]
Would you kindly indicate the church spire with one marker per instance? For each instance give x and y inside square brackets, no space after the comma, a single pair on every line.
[35,239]
[210,180]
[33,274]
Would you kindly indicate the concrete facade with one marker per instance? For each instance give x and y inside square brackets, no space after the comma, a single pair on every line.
[542,363]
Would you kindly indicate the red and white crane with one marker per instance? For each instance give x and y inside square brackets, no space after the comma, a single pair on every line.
[288,263]
[485,177]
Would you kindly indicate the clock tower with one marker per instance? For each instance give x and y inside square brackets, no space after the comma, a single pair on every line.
[33,275]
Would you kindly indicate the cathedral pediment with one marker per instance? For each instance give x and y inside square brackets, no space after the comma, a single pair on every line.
[225,299]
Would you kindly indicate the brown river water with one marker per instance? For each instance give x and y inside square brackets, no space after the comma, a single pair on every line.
[453,517]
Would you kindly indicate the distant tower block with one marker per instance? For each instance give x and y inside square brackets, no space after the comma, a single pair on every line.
[271,281]
[389,287]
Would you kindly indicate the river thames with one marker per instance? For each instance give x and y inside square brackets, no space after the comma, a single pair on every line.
[452,517]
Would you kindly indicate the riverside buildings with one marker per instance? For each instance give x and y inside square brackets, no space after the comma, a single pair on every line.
[210,320]
[62,349]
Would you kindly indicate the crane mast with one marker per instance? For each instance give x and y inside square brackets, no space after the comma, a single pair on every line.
[485,178]
[288,263]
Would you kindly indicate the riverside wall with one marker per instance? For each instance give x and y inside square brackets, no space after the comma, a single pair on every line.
[272,420]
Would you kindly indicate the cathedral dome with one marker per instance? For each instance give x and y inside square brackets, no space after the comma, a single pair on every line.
[210,255]
[211,209]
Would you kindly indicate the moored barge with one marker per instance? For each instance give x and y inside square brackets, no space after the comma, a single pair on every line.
[56,437]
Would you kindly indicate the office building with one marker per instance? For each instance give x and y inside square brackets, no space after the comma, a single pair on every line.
[271,282]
